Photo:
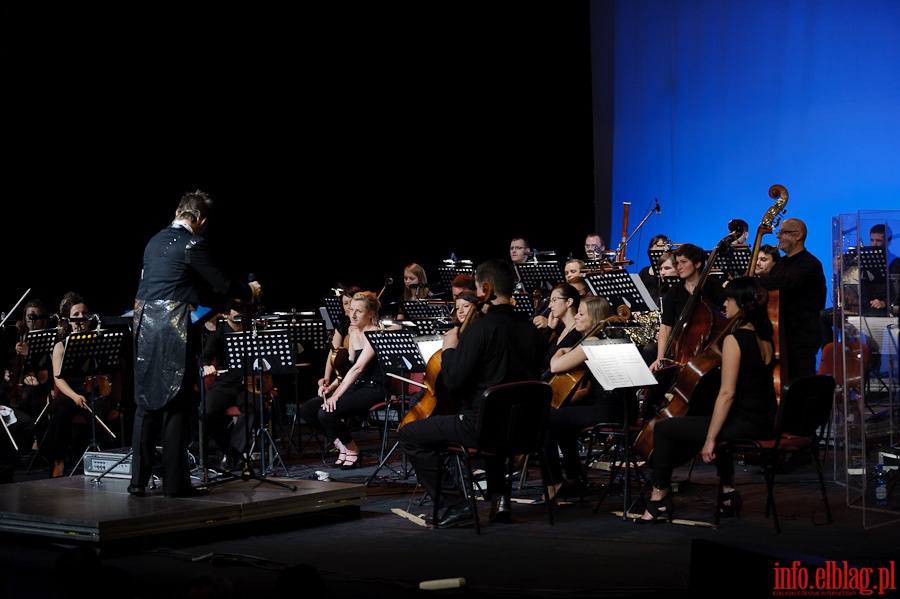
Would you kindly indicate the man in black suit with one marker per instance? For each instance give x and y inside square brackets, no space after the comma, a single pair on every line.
[498,347]
[179,273]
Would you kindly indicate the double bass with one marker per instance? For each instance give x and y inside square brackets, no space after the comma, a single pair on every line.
[437,398]
[700,376]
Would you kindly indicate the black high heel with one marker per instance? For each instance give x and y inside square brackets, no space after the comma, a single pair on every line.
[348,465]
[734,504]
[655,508]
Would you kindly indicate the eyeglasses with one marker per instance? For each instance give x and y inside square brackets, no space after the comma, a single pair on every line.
[516,247]
[783,231]
[553,299]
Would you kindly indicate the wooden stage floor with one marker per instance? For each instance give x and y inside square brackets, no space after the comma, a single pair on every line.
[78,509]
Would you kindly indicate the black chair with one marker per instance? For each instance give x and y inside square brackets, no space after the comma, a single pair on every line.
[511,422]
[804,414]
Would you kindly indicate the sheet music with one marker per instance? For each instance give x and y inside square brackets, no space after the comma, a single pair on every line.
[617,365]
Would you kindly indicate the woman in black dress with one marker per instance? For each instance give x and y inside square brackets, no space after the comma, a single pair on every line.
[745,406]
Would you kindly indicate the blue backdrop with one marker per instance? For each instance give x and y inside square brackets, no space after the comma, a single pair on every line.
[715,101]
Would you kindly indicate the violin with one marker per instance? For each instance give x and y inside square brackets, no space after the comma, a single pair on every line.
[437,398]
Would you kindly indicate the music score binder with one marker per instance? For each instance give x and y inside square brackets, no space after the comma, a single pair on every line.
[617,364]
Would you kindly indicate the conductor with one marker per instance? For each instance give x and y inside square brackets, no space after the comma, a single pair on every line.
[179,273]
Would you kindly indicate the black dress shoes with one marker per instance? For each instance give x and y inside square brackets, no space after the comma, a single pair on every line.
[458,515]
[189,492]
[136,490]
[501,510]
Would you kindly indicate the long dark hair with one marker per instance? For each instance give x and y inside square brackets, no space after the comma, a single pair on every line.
[751,299]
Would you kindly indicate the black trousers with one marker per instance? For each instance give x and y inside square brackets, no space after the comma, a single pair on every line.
[171,424]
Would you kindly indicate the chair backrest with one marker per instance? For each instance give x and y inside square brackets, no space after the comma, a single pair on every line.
[805,406]
[513,416]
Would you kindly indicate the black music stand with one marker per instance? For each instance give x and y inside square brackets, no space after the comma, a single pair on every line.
[449,272]
[257,353]
[540,275]
[334,308]
[431,326]
[412,309]
[523,304]
[620,287]
[397,353]
[40,346]
[91,354]
[734,260]
[313,333]
[872,261]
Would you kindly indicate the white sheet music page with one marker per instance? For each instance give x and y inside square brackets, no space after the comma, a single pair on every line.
[617,365]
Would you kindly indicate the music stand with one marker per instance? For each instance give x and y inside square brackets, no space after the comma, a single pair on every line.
[431,326]
[523,304]
[734,260]
[872,261]
[540,275]
[397,353]
[448,273]
[259,352]
[313,332]
[40,345]
[334,309]
[90,354]
[423,309]
[620,287]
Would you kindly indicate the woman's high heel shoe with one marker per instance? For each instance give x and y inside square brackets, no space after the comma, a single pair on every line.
[661,510]
[348,464]
[733,505]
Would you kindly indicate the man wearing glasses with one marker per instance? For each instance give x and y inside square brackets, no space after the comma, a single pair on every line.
[800,279]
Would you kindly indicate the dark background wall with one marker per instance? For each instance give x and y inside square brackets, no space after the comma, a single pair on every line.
[340,145]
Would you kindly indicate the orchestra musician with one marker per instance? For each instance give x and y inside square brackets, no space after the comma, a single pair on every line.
[689,261]
[338,337]
[593,245]
[179,273]
[18,426]
[745,404]
[558,328]
[228,388]
[573,269]
[665,267]
[497,347]
[800,279]
[650,274]
[35,381]
[743,227]
[415,283]
[590,405]
[519,248]
[460,283]
[361,387]
[767,258]
[71,398]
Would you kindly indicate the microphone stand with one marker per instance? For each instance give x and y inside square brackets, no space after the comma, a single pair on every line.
[641,224]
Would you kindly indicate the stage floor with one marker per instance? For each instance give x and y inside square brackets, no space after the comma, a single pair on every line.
[78,509]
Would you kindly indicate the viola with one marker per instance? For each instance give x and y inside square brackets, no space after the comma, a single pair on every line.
[437,399]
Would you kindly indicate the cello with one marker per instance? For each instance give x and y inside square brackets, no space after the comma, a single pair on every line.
[564,384]
[699,378]
[437,398]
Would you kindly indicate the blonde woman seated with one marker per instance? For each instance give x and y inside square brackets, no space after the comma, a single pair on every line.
[589,405]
